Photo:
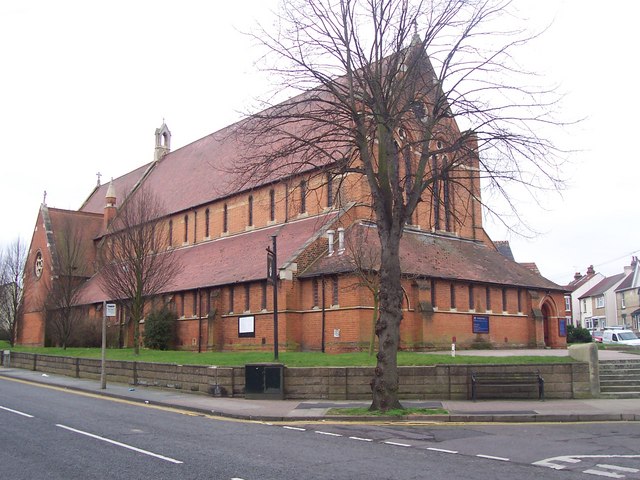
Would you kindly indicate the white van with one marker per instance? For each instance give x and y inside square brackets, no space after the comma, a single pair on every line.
[620,337]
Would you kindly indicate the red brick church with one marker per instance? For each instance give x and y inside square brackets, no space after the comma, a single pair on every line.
[458,286]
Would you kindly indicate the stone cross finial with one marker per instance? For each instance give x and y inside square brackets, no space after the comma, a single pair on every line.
[44,198]
[99,175]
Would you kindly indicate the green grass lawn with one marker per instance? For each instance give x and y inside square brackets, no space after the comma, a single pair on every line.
[291,359]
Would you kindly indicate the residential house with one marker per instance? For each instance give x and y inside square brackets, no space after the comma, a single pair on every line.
[598,305]
[628,296]
[580,285]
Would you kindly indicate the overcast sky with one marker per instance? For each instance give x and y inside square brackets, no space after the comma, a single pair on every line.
[84,84]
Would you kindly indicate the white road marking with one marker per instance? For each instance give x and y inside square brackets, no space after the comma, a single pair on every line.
[397,444]
[610,474]
[295,428]
[362,439]
[16,412]
[603,473]
[618,468]
[328,433]
[441,450]
[491,457]
[119,444]
[556,462]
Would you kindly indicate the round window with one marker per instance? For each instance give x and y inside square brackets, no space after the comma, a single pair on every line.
[39,265]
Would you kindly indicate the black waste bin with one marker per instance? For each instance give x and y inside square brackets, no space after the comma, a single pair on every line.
[264,381]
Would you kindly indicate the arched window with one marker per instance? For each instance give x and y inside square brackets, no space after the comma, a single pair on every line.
[303,196]
[225,218]
[170,232]
[250,210]
[272,204]
[186,228]
[206,223]
[329,190]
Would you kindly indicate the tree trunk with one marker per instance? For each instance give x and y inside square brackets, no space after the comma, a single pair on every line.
[136,314]
[372,342]
[384,384]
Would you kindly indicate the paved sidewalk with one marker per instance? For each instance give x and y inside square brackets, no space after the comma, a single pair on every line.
[296,410]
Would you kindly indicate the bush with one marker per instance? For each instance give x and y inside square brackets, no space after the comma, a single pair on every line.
[578,335]
[159,330]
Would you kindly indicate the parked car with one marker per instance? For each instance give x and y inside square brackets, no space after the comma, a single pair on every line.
[596,335]
[620,337]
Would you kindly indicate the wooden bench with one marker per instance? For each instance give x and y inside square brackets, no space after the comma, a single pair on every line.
[511,380]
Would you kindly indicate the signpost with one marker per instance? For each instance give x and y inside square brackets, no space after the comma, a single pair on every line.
[272,277]
[108,310]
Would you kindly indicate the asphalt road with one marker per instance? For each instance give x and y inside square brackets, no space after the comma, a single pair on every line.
[56,434]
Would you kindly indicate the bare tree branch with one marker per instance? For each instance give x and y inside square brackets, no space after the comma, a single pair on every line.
[135,261]
[70,272]
[421,98]
[12,261]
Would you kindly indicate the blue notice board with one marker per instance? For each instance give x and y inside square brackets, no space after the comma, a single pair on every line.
[562,327]
[480,324]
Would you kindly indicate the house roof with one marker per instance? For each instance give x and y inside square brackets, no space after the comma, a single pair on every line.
[601,287]
[234,259]
[626,283]
[579,281]
[436,256]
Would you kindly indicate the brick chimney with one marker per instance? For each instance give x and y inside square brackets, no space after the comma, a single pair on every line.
[110,209]
[590,270]
[577,276]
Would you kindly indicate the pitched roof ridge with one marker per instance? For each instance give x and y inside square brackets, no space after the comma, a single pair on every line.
[603,285]
[74,212]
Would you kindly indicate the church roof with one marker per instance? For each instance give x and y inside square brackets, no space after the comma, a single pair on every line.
[437,256]
[504,248]
[231,260]
[213,167]
[123,186]
[69,226]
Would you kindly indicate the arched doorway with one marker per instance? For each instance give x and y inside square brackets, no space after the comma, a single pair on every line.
[545,322]
[549,326]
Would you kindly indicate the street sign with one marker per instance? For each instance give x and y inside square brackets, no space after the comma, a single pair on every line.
[111,309]
[271,266]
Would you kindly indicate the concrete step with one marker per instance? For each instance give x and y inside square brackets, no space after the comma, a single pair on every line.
[626,363]
[620,376]
[620,381]
[619,388]
[620,395]
[622,371]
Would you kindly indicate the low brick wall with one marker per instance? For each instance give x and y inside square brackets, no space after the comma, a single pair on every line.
[438,382]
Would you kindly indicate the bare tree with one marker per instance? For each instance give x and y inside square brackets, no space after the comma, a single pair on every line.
[364,260]
[70,272]
[12,262]
[385,85]
[136,264]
